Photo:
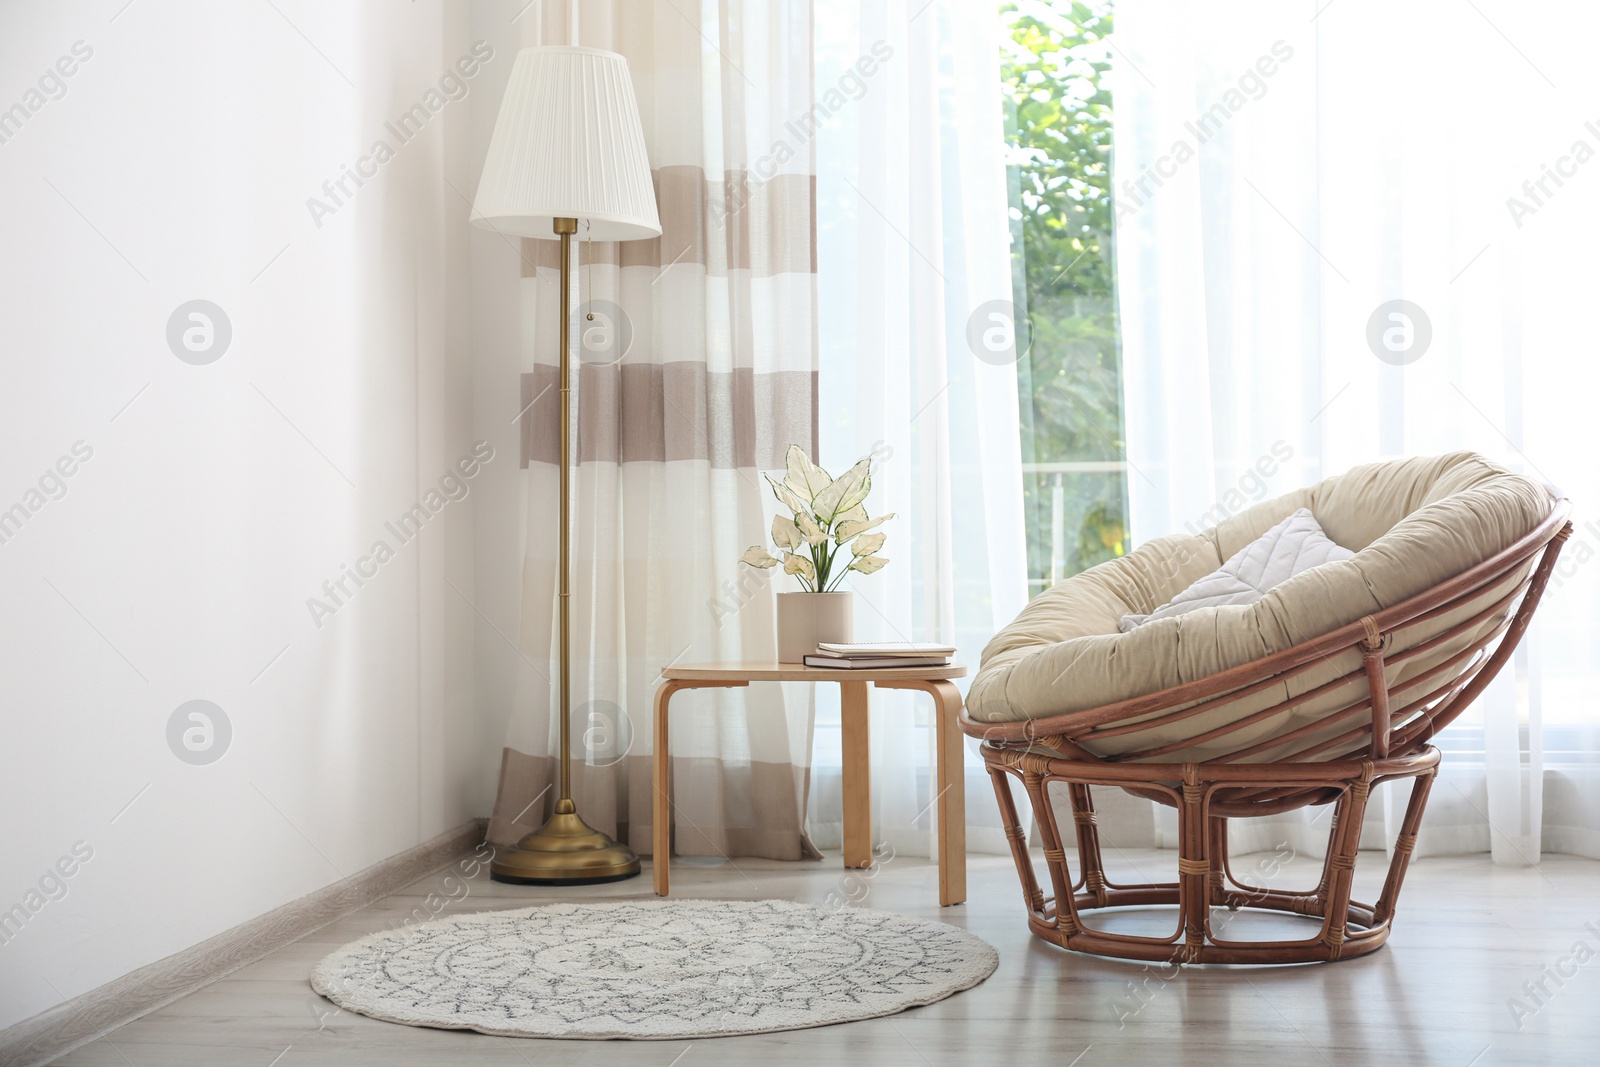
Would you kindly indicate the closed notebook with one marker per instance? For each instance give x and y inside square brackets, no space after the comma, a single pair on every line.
[875,649]
[863,663]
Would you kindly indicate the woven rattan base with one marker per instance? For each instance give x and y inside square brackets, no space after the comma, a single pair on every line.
[1205,880]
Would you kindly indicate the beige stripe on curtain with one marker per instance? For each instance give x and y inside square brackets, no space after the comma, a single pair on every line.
[718,378]
[670,411]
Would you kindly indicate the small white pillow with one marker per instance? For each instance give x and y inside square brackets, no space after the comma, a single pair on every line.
[1296,544]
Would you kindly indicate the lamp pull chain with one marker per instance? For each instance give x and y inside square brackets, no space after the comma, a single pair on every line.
[588,289]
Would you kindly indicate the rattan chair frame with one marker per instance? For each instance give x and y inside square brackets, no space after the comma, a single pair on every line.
[1388,741]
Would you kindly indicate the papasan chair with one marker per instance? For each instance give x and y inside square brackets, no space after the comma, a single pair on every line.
[1330,683]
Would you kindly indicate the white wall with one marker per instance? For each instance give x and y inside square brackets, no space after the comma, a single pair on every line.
[179,561]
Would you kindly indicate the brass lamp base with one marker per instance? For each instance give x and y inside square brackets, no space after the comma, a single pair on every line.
[564,851]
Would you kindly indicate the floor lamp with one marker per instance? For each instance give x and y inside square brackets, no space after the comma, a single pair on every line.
[567,146]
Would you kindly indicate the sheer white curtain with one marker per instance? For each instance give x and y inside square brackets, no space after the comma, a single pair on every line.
[912,241]
[1283,176]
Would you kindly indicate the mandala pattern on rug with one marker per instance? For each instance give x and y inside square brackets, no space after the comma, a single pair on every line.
[653,969]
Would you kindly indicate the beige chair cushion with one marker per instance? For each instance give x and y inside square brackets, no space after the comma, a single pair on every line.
[1412,524]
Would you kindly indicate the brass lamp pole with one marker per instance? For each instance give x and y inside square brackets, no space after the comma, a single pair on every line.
[567,145]
[565,850]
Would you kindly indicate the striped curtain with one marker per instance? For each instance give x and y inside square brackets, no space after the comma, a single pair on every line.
[697,370]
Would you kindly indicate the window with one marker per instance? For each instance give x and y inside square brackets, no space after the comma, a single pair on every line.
[1058,124]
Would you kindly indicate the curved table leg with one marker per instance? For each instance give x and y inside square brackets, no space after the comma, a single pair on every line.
[661,794]
[661,789]
[949,778]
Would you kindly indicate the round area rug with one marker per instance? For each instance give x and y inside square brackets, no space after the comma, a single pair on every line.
[653,969]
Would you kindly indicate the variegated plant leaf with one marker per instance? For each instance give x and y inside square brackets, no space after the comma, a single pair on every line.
[855,514]
[857,495]
[814,534]
[757,556]
[787,497]
[868,564]
[867,544]
[793,564]
[804,477]
[784,532]
[848,528]
[847,491]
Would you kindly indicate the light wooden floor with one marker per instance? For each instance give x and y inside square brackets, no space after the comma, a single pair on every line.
[1437,994]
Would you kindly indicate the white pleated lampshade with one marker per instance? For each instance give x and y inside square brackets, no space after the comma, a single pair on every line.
[568,144]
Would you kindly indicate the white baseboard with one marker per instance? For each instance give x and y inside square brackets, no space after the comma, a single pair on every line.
[66,1026]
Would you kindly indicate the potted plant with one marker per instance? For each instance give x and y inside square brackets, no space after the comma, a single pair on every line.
[828,537]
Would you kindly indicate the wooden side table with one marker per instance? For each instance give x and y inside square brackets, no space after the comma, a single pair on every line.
[951,797]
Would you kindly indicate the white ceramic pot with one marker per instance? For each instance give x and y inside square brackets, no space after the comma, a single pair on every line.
[806,618]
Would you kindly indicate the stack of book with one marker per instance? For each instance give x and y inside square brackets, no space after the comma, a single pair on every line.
[878,655]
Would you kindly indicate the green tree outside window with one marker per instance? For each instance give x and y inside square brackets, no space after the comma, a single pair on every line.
[1058,119]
